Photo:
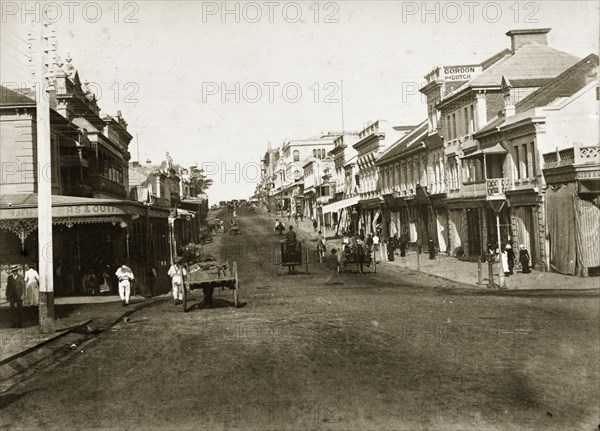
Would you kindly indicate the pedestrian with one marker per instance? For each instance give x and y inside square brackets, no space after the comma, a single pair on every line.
[315,224]
[361,234]
[504,261]
[510,256]
[524,259]
[431,249]
[391,248]
[296,218]
[301,217]
[59,286]
[333,261]
[369,243]
[152,278]
[403,243]
[177,273]
[15,290]
[279,227]
[291,236]
[91,285]
[375,245]
[269,214]
[289,216]
[321,246]
[32,286]
[125,276]
[104,281]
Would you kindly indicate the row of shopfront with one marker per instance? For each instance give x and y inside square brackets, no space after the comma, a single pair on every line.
[558,228]
[99,235]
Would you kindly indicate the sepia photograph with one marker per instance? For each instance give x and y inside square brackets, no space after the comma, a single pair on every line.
[300,215]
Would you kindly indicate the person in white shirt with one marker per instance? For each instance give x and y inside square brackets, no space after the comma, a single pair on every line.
[177,273]
[124,275]
[375,244]
[32,286]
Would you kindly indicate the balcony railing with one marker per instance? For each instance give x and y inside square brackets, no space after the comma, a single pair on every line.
[492,188]
[101,184]
[497,187]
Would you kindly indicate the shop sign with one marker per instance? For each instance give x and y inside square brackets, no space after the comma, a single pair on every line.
[64,211]
[460,73]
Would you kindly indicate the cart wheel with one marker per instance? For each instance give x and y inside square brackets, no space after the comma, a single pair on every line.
[237,284]
[184,288]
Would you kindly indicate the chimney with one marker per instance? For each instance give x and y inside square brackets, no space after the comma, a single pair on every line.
[519,38]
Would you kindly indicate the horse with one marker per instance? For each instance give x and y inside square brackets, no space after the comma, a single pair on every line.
[321,249]
[357,255]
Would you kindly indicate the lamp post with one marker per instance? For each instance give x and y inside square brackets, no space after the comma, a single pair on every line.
[497,205]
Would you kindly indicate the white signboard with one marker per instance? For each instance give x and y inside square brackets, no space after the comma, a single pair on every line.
[460,73]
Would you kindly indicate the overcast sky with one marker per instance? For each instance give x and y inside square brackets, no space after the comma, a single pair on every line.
[165,66]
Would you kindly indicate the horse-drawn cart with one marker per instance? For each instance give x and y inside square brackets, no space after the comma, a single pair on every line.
[359,255]
[209,274]
[291,255]
[234,228]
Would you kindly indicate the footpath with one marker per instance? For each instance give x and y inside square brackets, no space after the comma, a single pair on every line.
[456,270]
[77,319]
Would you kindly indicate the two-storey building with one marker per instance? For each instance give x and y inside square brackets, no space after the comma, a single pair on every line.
[94,227]
[470,169]
[372,141]
[548,149]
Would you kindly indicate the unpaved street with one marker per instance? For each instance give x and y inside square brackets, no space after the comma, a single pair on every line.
[381,351]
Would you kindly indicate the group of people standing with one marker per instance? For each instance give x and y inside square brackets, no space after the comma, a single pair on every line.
[508,257]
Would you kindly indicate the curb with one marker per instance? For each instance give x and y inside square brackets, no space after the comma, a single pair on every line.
[74,328]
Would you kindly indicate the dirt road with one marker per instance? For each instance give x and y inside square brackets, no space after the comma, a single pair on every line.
[318,351]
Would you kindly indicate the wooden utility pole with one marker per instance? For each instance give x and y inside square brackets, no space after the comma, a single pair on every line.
[43,42]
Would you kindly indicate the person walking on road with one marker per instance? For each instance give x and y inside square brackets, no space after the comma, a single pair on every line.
[32,286]
[125,276]
[315,224]
[524,259]
[177,273]
[15,290]
[321,246]
[279,227]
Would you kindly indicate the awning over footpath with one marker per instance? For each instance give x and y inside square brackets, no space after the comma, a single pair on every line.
[496,149]
[336,206]
[18,212]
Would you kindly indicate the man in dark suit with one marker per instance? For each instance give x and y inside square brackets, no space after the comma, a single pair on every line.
[15,289]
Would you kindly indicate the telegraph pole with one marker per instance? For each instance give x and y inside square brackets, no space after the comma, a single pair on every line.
[43,44]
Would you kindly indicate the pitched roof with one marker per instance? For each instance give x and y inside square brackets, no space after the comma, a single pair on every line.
[10,97]
[564,85]
[403,143]
[530,66]
[532,61]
